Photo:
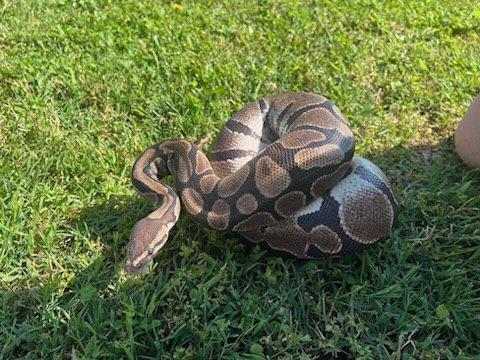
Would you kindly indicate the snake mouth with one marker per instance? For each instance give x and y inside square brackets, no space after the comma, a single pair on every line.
[135,270]
[138,264]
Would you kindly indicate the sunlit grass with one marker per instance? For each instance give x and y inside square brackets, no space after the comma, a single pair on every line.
[85,86]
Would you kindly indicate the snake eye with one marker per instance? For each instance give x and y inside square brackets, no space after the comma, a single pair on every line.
[150,250]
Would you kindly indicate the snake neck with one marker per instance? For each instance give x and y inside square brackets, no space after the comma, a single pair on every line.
[194,176]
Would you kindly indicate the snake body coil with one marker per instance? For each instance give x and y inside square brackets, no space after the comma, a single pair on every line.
[281,173]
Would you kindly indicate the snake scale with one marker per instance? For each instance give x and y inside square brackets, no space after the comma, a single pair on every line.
[282,172]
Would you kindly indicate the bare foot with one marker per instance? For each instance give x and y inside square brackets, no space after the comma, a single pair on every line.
[467,135]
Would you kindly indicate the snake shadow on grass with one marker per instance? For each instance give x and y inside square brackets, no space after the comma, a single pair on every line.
[434,189]
[409,168]
[418,174]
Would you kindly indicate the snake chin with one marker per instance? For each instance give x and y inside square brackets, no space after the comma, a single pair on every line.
[136,270]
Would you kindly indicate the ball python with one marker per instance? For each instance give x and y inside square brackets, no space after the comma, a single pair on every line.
[282,173]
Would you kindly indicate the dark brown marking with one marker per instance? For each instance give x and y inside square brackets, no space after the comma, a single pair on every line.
[182,148]
[225,155]
[238,127]
[254,236]
[151,197]
[322,118]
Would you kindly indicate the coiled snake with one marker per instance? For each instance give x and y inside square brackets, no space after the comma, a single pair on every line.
[281,173]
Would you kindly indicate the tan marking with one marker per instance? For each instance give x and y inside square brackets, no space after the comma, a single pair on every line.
[219,216]
[322,118]
[247,204]
[255,222]
[208,182]
[271,179]
[344,130]
[251,116]
[282,238]
[290,203]
[367,218]
[203,164]
[184,172]
[152,170]
[155,185]
[325,183]
[328,154]
[232,183]
[162,190]
[230,140]
[316,117]
[202,141]
[168,215]
[295,240]
[192,201]
[325,239]
[301,138]
[226,168]
[297,98]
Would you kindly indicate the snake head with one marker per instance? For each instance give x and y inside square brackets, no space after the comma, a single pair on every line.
[148,236]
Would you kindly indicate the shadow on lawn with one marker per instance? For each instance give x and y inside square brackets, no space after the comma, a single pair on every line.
[406,167]
[409,168]
[402,164]
[111,222]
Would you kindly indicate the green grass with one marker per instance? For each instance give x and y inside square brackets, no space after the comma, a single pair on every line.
[85,86]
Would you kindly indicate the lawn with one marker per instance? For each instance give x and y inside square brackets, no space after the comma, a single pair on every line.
[85,86]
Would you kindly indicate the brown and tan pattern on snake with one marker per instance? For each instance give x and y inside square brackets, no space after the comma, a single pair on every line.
[280,173]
